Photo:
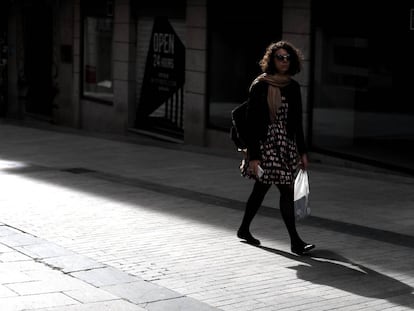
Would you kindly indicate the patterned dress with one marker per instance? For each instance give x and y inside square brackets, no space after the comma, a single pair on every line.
[279,153]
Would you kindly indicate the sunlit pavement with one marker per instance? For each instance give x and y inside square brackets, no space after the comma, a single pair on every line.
[94,224]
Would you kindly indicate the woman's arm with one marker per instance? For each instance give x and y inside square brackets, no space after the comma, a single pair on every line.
[257,118]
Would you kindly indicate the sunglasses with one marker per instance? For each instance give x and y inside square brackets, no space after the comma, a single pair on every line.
[282,57]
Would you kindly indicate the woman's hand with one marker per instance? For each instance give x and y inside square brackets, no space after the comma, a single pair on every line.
[304,162]
[254,167]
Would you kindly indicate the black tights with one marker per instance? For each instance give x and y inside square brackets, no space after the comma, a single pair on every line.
[286,208]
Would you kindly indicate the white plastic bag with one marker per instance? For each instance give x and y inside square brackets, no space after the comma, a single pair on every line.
[301,195]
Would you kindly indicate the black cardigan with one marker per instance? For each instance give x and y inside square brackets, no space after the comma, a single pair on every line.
[258,117]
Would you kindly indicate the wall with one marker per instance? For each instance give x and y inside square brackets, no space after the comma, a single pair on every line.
[297,29]
[196,69]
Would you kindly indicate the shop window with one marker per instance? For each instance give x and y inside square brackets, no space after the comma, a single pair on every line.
[355,113]
[97,71]
[238,37]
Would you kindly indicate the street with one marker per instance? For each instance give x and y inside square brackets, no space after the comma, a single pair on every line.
[88,223]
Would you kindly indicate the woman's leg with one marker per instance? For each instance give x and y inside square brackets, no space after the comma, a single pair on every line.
[287,211]
[288,215]
[252,206]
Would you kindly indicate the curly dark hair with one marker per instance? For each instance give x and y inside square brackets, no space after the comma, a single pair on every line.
[267,63]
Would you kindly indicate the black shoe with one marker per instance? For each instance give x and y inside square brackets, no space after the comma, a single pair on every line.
[246,235]
[302,248]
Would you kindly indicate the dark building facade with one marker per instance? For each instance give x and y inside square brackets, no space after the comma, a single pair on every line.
[175,69]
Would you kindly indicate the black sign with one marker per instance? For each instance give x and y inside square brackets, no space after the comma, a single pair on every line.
[164,70]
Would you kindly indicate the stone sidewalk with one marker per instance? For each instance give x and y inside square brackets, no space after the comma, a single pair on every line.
[39,275]
[88,222]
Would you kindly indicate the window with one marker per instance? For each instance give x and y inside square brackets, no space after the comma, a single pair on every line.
[238,37]
[97,72]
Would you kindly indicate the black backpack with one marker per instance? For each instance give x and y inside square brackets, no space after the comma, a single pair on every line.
[238,129]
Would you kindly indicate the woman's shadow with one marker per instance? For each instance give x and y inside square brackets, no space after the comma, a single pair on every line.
[329,268]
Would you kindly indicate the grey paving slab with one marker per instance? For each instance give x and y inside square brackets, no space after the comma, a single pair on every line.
[6,230]
[104,276]
[5,249]
[25,266]
[91,295]
[115,305]
[142,292]
[20,239]
[179,304]
[6,292]
[43,249]
[13,256]
[36,301]
[12,276]
[47,283]
[72,263]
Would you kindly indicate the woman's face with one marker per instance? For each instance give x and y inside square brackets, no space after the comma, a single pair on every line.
[282,60]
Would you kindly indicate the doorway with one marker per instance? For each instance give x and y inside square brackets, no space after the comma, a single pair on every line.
[38,46]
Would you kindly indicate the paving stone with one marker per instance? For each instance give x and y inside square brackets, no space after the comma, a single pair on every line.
[18,239]
[90,294]
[10,276]
[179,304]
[46,285]
[5,249]
[72,263]
[6,230]
[13,256]
[141,292]
[114,305]
[104,276]
[44,250]
[27,267]
[6,292]
[36,301]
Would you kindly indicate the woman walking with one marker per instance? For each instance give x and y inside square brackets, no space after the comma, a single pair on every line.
[275,141]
